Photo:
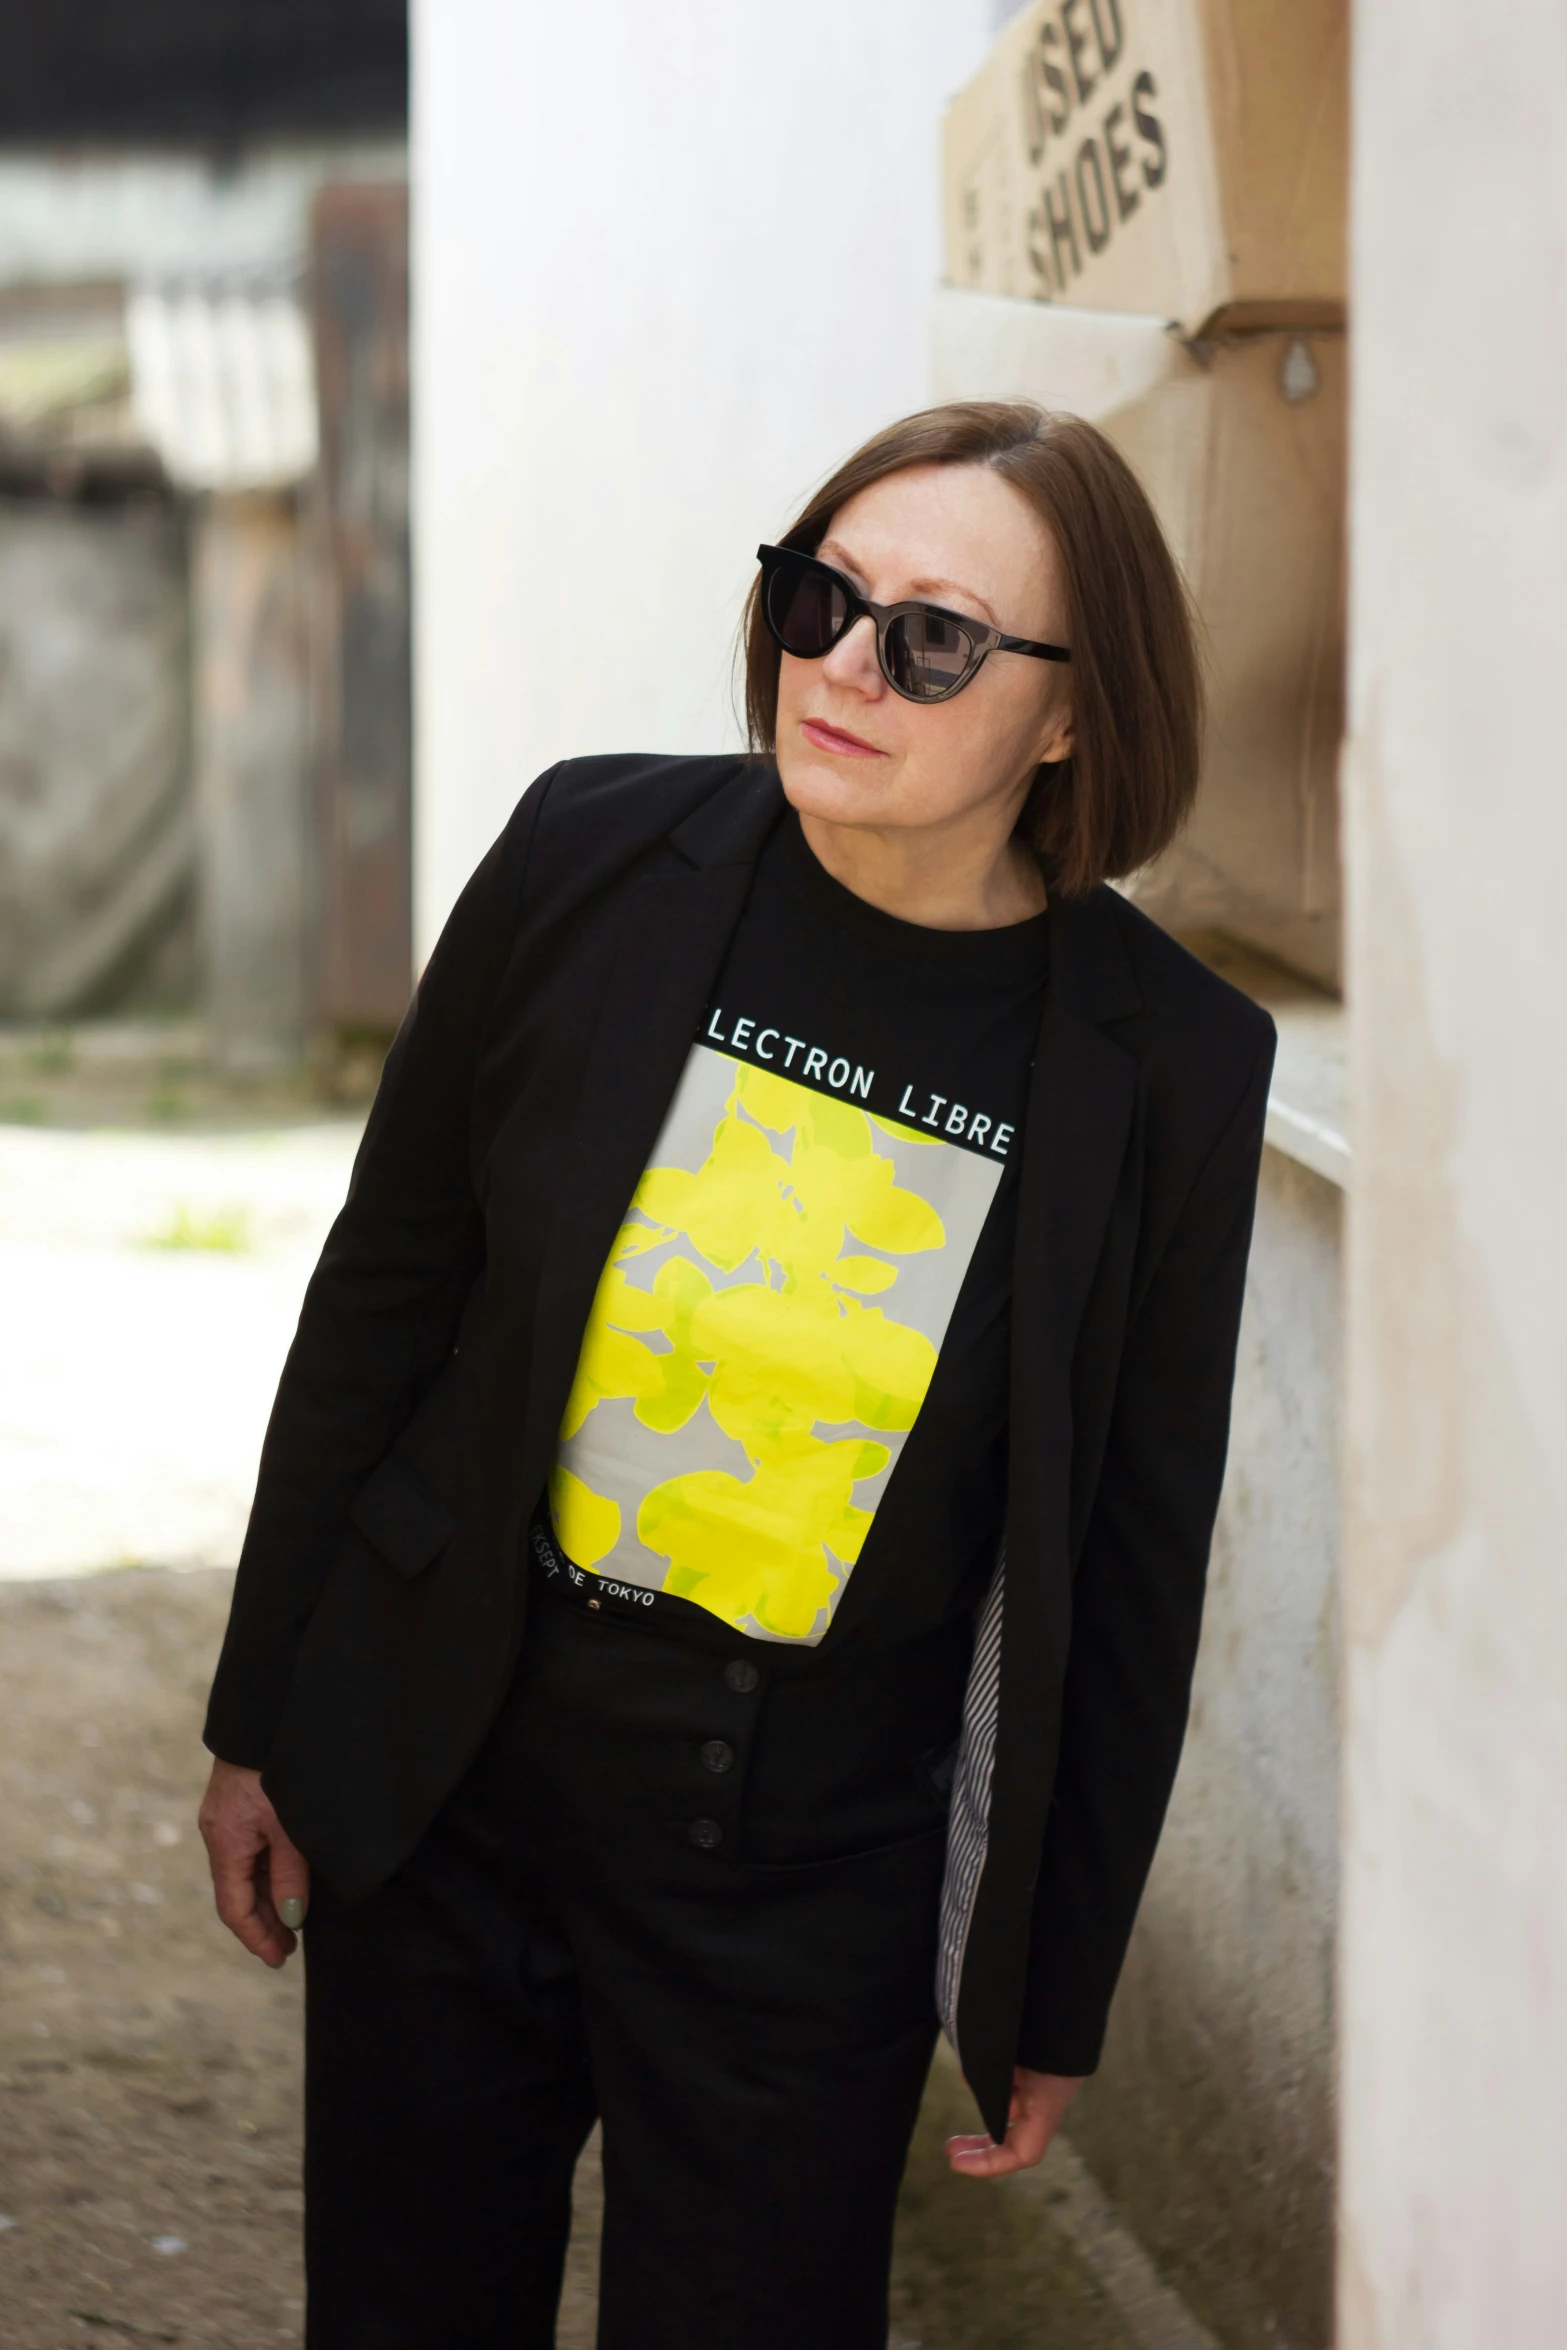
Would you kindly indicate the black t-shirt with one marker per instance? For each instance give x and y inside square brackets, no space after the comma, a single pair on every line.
[795,1371]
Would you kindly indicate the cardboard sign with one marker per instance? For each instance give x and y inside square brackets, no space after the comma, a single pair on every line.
[1241,447]
[1183,158]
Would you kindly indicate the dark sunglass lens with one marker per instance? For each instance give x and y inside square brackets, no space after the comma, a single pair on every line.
[928,654]
[807,609]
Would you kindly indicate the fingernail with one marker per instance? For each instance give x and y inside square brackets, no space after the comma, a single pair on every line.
[292,1912]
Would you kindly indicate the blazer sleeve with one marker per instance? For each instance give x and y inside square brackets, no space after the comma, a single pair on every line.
[381,1311]
[1137,1602]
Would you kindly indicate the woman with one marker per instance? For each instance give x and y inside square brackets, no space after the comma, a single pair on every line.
[728,1556]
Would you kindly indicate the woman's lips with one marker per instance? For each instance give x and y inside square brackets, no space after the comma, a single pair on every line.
[836,738]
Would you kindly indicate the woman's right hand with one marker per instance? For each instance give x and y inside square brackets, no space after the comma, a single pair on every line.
[261,1881]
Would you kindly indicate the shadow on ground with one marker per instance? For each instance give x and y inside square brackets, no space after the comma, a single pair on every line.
[149,2073]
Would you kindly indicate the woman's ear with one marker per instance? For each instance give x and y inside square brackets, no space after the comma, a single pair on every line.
[1055,742]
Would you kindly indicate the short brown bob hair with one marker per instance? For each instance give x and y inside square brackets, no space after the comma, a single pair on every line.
[1137,702]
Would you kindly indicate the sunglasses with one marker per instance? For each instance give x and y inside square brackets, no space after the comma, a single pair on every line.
[925,654]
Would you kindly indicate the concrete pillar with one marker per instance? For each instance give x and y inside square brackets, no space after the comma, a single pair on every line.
[1454,1951]
[251,707]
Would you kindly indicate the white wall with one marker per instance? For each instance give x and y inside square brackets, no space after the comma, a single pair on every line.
[1211,2121]
[1454,1964]
[670,264]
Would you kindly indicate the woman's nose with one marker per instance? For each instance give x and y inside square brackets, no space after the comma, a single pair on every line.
[853,661]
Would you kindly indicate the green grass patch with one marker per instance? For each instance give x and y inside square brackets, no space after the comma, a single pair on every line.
[222,1231]
[53,1056]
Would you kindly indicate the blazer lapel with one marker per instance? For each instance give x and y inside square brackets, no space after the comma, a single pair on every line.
[1081,1105]
[680,914]
[1079,1121]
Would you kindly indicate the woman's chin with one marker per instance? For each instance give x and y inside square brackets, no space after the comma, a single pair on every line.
[813,788]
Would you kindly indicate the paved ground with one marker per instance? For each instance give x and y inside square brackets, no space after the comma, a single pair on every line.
[149,2187]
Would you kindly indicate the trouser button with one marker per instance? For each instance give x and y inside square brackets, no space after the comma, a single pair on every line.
[705,1834]
[741,1676]
[717,1755]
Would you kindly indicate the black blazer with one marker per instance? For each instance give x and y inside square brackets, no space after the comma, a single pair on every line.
[380,1596]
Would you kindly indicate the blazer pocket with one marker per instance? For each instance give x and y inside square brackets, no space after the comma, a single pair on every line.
[930,1840]
[401,1518]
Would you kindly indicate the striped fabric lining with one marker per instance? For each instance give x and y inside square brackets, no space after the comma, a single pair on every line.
[968,1827]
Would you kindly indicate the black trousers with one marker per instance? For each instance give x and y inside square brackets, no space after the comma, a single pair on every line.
[690,1887]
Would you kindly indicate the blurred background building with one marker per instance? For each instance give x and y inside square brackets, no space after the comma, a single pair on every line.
[204,766]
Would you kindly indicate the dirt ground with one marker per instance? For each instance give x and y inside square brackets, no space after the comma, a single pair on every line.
[149,2071]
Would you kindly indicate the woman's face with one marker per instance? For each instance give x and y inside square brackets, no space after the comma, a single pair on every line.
[851,751]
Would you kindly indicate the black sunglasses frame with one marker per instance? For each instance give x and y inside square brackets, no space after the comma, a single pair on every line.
[983,641]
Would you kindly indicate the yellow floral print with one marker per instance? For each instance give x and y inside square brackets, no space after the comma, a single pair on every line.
[594,1520]
[794,1191]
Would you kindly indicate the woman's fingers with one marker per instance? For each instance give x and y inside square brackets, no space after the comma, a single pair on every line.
[982,2158]
[239,1888]
[288,1878]
[254,1865]
[1039,2100]
[282,1887]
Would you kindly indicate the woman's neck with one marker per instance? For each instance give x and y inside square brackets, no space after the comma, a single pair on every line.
[941,878]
